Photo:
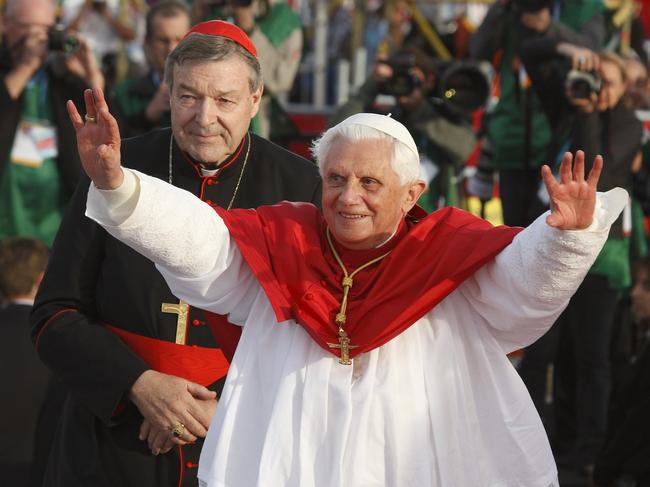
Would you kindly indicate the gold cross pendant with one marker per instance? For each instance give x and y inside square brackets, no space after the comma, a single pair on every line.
[182,310]
[344,345]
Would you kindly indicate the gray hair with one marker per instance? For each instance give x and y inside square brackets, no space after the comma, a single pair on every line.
[404,161]
[202,48]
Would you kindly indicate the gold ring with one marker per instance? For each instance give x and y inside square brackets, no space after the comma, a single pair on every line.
[178,430]
[90,119]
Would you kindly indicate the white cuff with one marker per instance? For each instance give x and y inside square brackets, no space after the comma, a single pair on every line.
[114,206]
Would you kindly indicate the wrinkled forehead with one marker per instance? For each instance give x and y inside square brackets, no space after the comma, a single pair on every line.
[231,70]
[369,155]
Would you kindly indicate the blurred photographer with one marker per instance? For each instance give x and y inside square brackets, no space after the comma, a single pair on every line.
[39,165]
[142,104]
[109,26]
[583,97]
[517,130]
[410,86]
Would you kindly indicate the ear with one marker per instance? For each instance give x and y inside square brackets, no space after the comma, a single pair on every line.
[414,191]
[256,98]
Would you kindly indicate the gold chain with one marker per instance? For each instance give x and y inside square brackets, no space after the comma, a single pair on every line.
[347,281]
[241,173]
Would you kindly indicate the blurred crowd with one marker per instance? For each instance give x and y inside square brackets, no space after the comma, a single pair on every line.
[490,92]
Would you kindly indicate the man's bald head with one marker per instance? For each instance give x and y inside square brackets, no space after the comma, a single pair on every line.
[27,9]
[26,24]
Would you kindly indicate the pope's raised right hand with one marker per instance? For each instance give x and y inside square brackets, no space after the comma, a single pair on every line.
[98,140]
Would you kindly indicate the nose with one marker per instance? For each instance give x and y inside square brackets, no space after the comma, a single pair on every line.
[206,112]
[350,194]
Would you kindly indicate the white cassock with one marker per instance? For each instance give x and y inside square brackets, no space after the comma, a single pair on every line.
[439,405]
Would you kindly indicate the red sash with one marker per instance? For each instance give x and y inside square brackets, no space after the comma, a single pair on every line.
[285,246]
[200,365]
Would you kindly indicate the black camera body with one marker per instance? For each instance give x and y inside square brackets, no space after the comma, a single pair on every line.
[60,40]
[404,80]
[581,84]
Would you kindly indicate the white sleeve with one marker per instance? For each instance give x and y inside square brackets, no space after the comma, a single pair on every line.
[524,289]
[183,236]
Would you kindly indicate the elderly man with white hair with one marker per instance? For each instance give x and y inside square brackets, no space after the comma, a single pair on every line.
[374,337]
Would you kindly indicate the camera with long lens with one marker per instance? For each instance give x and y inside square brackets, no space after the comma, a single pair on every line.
[463,86]
[581,84]
[60,40]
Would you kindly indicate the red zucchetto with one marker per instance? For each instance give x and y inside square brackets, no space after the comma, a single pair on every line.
[225,29]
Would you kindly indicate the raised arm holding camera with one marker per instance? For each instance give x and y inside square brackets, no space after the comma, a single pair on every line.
[39,165]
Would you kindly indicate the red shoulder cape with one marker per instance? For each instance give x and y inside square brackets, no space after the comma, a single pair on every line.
[286,247]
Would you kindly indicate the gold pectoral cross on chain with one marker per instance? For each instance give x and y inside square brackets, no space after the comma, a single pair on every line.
[347,283]
[344,345]
[182,310]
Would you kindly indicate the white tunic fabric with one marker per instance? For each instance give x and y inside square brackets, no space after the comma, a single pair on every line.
[439,405]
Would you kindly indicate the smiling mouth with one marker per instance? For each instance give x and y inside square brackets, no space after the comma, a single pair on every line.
[352,216]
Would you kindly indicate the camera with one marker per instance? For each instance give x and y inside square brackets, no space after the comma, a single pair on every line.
[403,80]
[464,86]
[461,86]
[581,84]
[60,40]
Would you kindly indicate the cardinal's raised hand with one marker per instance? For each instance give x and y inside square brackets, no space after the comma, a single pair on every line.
[573,199]
[98,140]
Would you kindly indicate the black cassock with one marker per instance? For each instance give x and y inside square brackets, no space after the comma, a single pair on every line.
[23,383]
[93,280]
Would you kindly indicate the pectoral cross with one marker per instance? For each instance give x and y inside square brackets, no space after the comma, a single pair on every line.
[344,345]
[182,310]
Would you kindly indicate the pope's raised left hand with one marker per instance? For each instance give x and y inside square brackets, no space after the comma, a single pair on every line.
[573,199]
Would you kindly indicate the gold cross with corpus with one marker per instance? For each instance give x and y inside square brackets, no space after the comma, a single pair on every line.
[182,310]
[344,345]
